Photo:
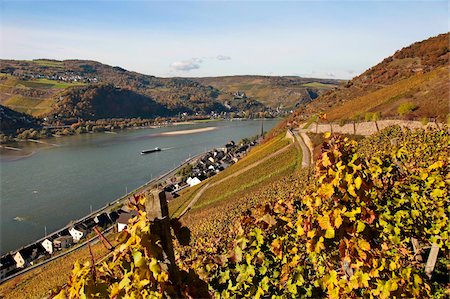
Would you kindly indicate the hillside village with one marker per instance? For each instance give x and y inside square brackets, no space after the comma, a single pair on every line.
[65,76]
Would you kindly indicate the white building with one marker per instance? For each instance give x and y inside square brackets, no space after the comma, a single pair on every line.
[76,234]
[193,181]
[20,261]
[48,245]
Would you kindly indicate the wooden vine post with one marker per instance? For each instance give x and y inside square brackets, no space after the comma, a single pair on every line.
[158,213]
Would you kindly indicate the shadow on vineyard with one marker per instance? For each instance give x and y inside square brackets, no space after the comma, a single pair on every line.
[364,225]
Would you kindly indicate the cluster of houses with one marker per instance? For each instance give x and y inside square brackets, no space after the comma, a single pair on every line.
[64,239]
[63,76]
[208,165]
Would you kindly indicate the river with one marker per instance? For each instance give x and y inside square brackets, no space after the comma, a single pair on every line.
[48,185]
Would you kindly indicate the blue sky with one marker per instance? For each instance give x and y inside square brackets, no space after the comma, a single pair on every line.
[327,39]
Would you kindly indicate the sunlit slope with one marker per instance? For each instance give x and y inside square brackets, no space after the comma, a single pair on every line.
[35,97]
[429,93]
[265,163]
[273,91]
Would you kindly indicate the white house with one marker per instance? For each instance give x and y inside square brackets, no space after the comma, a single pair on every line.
[20,261]
[26,256]
[76,234]
[123,220]
[48,245]
[193,181]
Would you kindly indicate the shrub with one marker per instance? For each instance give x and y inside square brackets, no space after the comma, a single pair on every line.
[406,108]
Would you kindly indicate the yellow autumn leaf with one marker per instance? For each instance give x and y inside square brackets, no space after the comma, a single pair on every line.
[358,182]
[325,160]
[115,290]
[324,221]
[351,190]
[360,227]
[338,220]
[329,233]
[300,230]
[436,165]
[61,295]
[364,245]
[394,286]
[327,190]
[392,266]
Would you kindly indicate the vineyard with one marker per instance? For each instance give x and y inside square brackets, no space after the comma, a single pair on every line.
[177,205]
[346,231]
[271,168]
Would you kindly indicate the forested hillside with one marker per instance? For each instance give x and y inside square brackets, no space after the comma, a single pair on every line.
[105,101]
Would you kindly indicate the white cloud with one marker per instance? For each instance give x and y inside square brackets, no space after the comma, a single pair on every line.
[223,57]
[187,65]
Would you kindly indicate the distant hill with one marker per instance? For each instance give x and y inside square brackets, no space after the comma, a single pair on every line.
[413,83]
[273,91]
[38,87]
